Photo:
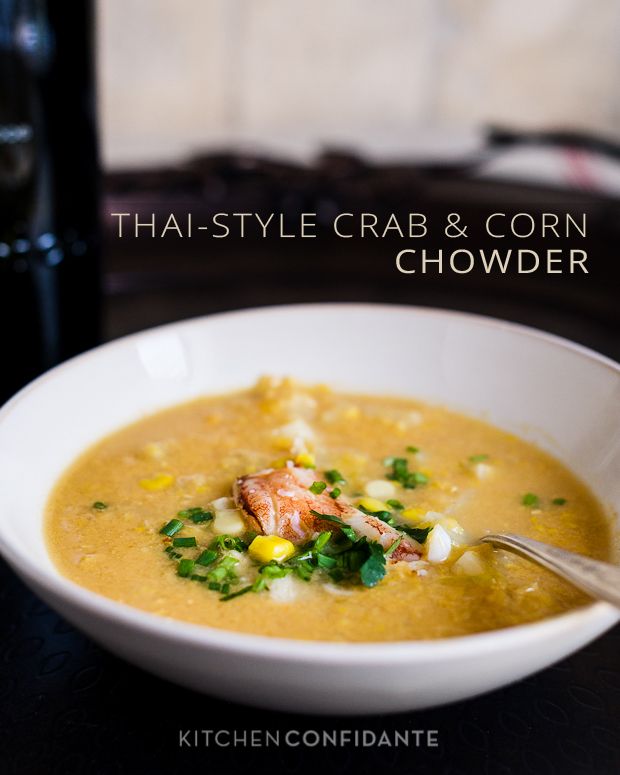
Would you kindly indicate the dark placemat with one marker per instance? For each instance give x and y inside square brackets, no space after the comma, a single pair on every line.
[67,708]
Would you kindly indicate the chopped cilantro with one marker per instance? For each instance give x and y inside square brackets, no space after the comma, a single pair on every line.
[373,568]
[384,516]
[419,534]
[346,529]
[412,450]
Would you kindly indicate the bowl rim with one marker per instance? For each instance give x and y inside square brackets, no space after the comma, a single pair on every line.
[593,616]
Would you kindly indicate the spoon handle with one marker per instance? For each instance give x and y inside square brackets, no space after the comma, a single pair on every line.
[600,579]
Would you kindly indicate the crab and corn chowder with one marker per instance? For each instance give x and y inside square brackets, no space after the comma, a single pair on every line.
[296,511]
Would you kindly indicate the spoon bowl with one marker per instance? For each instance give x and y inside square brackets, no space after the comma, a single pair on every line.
[601,580]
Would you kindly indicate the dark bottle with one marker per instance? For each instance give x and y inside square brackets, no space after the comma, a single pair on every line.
[49,187]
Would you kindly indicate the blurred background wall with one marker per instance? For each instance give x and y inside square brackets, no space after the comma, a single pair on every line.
[400,77]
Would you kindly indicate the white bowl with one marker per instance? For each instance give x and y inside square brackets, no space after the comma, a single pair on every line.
[557,394]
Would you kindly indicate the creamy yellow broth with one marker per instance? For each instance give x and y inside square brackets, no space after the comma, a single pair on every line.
[190,455]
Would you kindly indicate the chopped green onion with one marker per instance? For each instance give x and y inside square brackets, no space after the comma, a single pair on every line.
[185,542]
[394,504]
[322,540]
[259,584]
[196,514]
[394,546]
[198,577]
[335,477]
[529,499]
[325,561]
[274,571]
[229,543]
[185,567]
[478,458]
[172,527]
[412,450]
[400,473]
[226,564]
[335,493]
[238,593]
[400,467]
[317,487]
[100,505]
[559,501]
[206,557]
[304,570]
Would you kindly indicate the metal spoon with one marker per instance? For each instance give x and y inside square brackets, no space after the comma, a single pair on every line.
[599,579]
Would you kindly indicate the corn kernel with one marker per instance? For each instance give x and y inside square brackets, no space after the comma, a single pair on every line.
[373,504]
[269,548]
[351,413]
[156,483]
[282,442]
[305,459]
[413,514]
[155,450]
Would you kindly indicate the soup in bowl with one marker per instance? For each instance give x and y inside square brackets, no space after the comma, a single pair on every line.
[300,512]
[290,540]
